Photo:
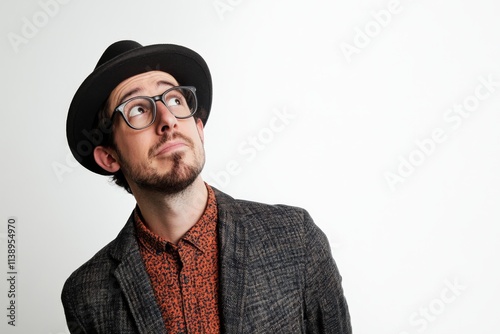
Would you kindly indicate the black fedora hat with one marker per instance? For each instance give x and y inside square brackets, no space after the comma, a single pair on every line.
[120,61]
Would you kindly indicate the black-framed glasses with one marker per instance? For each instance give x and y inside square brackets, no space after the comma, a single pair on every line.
[139,112]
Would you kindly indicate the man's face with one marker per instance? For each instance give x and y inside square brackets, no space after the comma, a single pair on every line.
[168,155]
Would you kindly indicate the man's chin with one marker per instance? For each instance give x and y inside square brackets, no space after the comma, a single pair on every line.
[168,183]
[168,174]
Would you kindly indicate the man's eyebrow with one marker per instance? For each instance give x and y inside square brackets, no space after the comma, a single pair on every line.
[138,89]
[165,83]
[129,93]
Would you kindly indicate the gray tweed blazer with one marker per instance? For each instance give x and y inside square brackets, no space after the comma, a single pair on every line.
[277,275]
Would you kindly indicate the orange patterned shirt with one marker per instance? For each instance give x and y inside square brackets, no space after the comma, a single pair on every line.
[185,276]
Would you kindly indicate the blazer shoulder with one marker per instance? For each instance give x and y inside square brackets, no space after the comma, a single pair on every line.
[241,207]
[276,211]
[277,219]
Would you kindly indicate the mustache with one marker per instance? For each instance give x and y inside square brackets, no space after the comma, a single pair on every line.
[169,137]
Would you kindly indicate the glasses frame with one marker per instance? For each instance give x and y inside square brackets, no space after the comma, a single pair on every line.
[120,108]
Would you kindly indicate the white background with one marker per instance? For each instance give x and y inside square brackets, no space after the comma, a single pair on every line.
[361,84]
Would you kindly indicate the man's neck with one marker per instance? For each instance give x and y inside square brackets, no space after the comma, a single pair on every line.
[171,216]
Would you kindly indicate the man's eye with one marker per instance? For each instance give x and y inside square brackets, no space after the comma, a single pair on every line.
[174,101]
[137,111]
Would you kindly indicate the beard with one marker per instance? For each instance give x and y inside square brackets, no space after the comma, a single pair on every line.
[180,176]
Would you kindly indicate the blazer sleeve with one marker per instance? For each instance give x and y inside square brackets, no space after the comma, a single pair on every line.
[326,309]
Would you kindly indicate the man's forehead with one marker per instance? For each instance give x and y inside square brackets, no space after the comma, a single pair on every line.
[148,77]
[139,81]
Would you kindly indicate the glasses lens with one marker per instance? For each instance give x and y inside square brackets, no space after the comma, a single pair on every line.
[180,101]
[139,112]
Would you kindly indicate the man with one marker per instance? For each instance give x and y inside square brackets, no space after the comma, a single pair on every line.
[190,259]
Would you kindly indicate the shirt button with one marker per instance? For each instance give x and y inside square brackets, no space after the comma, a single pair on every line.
[186,280]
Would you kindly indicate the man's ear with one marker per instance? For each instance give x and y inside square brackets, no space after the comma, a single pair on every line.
[104,157]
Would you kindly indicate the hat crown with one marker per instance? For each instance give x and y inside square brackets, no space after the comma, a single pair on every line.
[116,49]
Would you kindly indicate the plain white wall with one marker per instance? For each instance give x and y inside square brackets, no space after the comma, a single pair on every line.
[380,117]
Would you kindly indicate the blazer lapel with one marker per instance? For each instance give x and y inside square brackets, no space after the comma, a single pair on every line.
[233,248]
[135,284]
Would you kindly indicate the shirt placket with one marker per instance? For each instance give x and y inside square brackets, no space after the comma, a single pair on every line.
[186,283]
[173,291]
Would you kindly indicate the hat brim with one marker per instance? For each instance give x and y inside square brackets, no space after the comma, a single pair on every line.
[185,65]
